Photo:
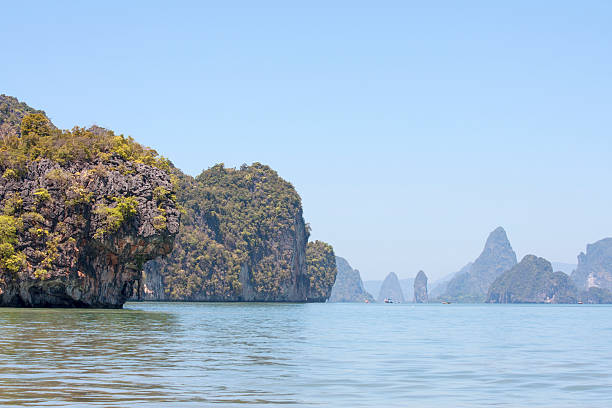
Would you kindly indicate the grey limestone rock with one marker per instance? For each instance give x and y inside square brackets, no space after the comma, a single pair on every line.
[532,281]
[420,288]
[391,289]
[496,258]
[72,259]
[348,286]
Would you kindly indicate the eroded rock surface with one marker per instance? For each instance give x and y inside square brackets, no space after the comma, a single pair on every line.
[72,256]
[81,210]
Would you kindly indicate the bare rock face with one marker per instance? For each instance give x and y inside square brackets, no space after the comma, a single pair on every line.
[496,258]
[391,289]
[595,267]
[532,281]
[420,288]
[78,233]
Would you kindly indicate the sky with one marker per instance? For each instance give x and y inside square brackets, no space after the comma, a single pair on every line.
[410,129]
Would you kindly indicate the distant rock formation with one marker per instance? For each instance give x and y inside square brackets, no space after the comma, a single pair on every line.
[595,295]
[391,289]
[595,267]
[532,281]
[420,288]
[438,287]
[407,286]
[348,286]
[496,258]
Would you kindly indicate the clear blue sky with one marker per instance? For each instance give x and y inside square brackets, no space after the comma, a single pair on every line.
[410,129]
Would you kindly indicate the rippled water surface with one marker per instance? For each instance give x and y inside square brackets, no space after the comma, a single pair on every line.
[349,355]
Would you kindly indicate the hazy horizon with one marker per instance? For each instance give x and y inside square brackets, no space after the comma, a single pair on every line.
[410,132]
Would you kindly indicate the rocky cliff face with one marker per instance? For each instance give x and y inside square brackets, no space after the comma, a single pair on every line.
[496,258]
[79,218]
[595,267]
[391,289]
[321,271]
[243,239]
[532,281]
[420,288]
[348,286]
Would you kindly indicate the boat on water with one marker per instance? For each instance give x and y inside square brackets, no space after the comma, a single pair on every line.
[389,300]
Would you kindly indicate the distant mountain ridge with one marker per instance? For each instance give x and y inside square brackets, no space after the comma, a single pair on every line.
[532,281]
[406,284]
[438,287]
[595,266]
[420,288]
[348,286]
[496,258]
[391,289]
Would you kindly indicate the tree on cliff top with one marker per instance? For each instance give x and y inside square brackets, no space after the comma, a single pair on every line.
[36,138]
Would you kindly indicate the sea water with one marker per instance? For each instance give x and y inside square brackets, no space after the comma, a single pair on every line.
[311,355]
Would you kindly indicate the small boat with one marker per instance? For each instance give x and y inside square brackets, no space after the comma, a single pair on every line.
[388,300]
[580,303]
[446,303]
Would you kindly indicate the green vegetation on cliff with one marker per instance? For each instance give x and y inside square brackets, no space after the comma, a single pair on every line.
[321,270]
[38,139]
[70,197]
[240,238]
[12,112]
[78,217]
[10,259]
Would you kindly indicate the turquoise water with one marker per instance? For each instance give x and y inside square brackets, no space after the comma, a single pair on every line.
[345,355]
